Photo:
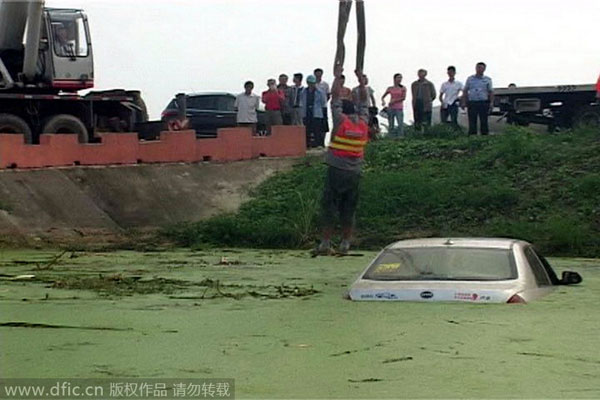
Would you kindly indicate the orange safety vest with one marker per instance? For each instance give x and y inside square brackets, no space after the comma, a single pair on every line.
[350,139]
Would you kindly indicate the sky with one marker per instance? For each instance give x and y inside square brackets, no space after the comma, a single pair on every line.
[166,47]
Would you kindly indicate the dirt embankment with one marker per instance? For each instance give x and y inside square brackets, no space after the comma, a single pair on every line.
[86,203]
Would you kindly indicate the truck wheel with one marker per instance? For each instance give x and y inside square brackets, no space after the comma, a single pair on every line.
[587,116]
[67,124]
[10,123]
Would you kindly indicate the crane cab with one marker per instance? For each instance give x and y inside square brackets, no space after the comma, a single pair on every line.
[66,61]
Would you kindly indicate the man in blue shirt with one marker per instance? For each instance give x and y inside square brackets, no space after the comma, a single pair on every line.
[478,97]
[312,102]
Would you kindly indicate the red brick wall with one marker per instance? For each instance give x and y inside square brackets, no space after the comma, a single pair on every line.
[231,144]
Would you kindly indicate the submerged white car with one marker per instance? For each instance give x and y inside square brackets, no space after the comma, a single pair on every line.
[474,270]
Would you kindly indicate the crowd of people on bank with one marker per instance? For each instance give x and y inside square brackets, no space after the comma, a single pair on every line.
[352,114]
[296,104]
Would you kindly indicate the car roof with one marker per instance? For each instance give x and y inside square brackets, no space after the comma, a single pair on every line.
[197,94]
[496,243]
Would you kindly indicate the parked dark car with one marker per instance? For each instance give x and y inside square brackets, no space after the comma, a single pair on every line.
[208,112]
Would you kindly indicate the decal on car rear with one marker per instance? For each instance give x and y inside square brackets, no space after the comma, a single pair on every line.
[386,295]
[470,296]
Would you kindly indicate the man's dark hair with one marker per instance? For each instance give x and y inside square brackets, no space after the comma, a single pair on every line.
[318,70]
[482,64]
[422,70]
[397,75]
[283,76]
[452,68]
[348,107]
[298,75]
[249,83]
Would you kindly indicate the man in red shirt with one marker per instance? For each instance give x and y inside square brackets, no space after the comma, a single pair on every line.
[273,100]
[340,195]
[598,89]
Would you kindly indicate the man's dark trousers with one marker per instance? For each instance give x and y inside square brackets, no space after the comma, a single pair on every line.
[478,109]
[314,132]
[452,112]
[422,117]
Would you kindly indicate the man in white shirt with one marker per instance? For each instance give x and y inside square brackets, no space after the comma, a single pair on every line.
[450,98]
[246,105]
[324,87]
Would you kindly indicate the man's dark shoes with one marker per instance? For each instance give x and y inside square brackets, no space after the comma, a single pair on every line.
[344,247]
[323,249]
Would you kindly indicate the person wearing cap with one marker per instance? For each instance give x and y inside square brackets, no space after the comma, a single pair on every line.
[340,194]
[312,102]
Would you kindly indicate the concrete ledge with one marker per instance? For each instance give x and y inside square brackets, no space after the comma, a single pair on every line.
[231,144]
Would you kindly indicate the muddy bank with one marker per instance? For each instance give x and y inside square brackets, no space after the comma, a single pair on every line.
[109,202]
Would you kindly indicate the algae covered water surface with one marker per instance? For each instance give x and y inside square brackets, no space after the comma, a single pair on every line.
[278,323]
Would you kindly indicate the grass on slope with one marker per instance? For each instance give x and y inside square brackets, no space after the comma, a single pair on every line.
[539,187]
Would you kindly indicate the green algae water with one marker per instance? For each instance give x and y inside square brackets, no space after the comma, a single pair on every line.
[278,323]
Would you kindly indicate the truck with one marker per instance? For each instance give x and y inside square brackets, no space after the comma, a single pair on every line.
[46,58]
[557,107]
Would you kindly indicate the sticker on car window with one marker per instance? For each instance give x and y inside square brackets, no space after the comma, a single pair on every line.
[388,267]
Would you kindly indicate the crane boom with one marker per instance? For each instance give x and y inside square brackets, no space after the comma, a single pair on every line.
[13,19]
[34,26]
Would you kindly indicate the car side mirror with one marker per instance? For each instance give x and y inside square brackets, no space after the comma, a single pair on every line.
[570,278]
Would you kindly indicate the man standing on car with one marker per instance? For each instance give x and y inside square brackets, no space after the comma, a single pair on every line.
[450,98]
[246,104]
[273,99]
[340,194]
[478,97]
[286,110]
[423,94]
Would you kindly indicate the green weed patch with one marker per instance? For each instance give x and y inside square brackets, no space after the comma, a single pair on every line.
[539,187]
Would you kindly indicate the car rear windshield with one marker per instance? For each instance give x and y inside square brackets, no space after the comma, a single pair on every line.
[444,264]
